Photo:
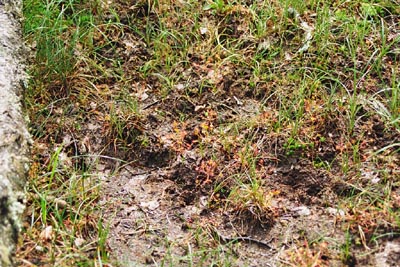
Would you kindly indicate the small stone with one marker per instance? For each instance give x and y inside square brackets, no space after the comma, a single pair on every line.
[180,86]
[39,248]
[78,242]
[151,205]
[203,30]
[335,212]
[302,211]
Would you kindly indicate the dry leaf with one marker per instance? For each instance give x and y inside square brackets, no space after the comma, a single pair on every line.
[47,234]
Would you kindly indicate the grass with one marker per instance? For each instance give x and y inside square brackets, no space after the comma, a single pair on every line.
[63,225]
[266,102]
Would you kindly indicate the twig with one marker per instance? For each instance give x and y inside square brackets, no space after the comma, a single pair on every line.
[150,105]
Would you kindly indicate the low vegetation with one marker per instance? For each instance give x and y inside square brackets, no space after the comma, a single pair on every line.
[265,111]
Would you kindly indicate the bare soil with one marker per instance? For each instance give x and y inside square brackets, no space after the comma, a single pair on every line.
[170,201]
[178,159]
[169,204]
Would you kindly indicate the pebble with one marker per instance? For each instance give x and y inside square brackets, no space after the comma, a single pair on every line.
[302,211]
[335,211]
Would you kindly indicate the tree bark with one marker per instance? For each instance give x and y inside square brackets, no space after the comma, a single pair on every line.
[14,137]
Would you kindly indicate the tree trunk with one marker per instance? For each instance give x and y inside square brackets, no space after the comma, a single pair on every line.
[14,137]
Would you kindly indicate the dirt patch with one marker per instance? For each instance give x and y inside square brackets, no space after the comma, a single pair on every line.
[154,223]
[222,179]
[239,133]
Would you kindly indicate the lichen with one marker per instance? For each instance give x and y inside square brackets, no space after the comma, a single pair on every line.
[14,137]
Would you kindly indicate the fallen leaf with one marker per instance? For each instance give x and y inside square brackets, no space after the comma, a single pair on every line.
[47,234]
